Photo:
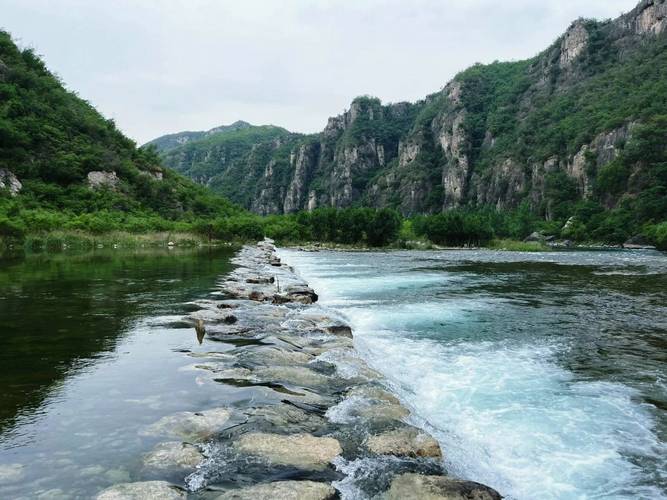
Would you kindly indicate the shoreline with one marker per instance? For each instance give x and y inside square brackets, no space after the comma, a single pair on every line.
[319,423]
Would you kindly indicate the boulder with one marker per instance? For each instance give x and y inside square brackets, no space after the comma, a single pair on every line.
[303,451]
[536,236]
[9,181]
[257,296]
[287,418]
[173,455]
[190,426]
[340,330]
[419,487]
[144,490]
[98,179]
[283,490]
[405,441]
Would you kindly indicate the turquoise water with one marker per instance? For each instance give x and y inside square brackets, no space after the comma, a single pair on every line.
[543,375]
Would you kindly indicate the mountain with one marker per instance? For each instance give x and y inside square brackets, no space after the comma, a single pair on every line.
[569,128]
[166,143]
[59,158]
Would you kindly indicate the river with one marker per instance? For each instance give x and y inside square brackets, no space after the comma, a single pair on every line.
[543,375]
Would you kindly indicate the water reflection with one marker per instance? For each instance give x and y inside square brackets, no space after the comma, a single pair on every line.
[61,313]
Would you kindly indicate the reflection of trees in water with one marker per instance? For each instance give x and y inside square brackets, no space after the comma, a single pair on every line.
[60,313]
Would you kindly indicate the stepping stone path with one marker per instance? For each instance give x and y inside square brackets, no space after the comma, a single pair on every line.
[310,408]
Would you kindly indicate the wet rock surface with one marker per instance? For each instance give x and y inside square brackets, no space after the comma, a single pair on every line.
[173,455]
[303,451]
[145,490]
[419,487]
[312,420]
[284,490]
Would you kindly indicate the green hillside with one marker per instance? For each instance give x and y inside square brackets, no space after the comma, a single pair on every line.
[54,146]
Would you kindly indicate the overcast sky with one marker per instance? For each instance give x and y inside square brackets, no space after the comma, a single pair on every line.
[162,66]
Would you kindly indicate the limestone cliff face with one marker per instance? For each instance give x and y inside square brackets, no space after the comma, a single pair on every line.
[478,141]
[573,44]
[649,17]
[304,161]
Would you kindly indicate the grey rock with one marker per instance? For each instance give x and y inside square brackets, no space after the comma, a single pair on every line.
[420,487]
[283,490]
[9,181]
[98,179]
[303,451]
[190,426]
[145,490]
[405,441]
[173,455]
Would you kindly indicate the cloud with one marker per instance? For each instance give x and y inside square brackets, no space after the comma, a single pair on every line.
[159,66]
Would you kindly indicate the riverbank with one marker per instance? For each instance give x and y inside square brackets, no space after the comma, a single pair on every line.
[318,421]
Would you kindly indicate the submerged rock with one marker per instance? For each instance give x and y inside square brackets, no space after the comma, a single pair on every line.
[419,487]
[173,455]
[405,441]
[303,451]
[144,490]
[283,490]
[10,473]
[190,426]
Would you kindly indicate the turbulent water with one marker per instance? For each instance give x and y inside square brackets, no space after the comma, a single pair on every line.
[543,375]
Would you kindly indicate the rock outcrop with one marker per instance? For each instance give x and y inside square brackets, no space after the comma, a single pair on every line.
[456,147]
[99,179]
[10,182]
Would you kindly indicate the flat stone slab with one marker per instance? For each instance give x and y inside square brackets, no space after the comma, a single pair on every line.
[283,490]
[297,375]
[190,426]
[406,441]
[287,418]
[419,487]
[144,490]
[303,451]
[272,356]
[173,455]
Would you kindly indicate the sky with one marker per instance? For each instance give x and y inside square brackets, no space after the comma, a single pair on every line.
[163,66]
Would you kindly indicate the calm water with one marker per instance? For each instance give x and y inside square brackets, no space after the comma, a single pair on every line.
[543,375]
[91,349]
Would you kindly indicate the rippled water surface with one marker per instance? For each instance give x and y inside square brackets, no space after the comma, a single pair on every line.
[543,375]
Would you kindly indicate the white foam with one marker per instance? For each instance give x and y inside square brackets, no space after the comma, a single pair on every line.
[506,413]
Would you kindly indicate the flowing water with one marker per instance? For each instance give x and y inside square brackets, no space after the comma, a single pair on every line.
[92,349]
[543,375]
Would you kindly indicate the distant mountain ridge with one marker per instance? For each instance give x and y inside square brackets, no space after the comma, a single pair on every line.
[171,141]
[550,131]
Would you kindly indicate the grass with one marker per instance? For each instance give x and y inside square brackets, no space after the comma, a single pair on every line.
[57,240]
[518,246]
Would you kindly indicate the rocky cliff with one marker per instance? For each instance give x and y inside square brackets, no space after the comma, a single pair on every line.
[500,134]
